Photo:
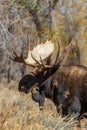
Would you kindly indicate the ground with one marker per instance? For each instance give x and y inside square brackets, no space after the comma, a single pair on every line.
[19,112]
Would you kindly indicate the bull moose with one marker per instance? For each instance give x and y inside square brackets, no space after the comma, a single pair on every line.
[70,89]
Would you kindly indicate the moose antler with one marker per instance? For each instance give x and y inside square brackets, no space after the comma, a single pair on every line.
[42,66]
[41,51]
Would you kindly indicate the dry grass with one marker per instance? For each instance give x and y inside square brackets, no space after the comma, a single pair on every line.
[19,112]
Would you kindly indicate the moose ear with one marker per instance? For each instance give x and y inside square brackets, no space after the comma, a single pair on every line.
[66,93]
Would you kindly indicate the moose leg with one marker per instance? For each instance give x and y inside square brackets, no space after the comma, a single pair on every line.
[71,106]
[38,97]
[42,100]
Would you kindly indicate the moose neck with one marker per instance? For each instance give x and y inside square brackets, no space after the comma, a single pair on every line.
[42,76]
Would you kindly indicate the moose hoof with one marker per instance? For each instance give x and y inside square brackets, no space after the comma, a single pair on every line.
[41,107]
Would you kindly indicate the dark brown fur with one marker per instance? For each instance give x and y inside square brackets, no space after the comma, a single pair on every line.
[72,79]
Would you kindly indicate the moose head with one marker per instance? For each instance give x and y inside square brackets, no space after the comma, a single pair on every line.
[41,71]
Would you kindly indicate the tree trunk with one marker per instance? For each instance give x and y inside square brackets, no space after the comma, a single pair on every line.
[41,13]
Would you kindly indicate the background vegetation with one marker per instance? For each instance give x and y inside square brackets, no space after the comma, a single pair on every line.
[43,19]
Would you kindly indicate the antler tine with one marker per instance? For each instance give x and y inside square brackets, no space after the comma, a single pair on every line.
[57,52]
[42,61]
[35,60]
[21,57]
[44,66]
[14,56]
[17,58]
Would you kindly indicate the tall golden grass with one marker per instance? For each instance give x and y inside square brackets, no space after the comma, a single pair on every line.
[19,112]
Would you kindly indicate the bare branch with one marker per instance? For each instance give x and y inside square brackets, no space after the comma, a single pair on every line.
[54,4]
